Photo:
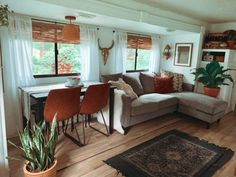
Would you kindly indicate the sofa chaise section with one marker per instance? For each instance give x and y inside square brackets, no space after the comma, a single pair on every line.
[205,108]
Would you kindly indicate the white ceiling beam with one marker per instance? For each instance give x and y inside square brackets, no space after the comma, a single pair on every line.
[111,10]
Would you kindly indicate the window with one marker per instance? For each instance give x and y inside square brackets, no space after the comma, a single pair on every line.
[139,50]
[51,55]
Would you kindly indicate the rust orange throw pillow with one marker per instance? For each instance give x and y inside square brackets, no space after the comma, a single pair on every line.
[163,84]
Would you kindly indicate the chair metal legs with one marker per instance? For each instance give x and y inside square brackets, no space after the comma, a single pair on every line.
[73,127]
[99,130]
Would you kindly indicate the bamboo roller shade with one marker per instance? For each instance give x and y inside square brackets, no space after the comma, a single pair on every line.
[139,42]
[48,32]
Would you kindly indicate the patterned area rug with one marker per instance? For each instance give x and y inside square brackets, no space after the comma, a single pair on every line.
[172,154]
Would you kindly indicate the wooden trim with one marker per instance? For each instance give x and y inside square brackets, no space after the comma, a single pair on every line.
[132,71]
[55,75]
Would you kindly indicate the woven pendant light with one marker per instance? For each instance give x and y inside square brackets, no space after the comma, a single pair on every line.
[70,32]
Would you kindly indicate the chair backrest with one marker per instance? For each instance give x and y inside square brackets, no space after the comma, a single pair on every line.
[64,102]
[95,98]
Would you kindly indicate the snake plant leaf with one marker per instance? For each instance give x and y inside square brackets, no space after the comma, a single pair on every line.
[37,146]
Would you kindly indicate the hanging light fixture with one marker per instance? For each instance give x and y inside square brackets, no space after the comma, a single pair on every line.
[70,32]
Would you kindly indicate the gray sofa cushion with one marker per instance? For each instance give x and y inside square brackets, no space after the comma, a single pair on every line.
[133,80]
[147,81]
[111,77]
[201,102]
[152,102]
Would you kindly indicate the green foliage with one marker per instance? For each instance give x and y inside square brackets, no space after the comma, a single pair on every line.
[38,147]
[231,35]
[4,10]
[142,59]
[213,75]
[44,58]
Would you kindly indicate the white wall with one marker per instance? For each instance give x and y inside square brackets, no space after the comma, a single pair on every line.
[221,27]
[169,64]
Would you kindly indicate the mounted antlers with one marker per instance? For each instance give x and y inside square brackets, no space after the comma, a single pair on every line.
[105,51]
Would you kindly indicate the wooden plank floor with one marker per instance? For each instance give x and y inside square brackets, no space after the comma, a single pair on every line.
[87,161]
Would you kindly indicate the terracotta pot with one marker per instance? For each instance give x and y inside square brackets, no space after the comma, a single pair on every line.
[231,44]
[51,172]
[213,92]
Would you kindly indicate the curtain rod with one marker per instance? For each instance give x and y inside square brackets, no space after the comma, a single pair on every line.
[112,31]
[42,20]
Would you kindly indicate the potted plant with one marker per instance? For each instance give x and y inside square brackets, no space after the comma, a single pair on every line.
[38,148]
[4,10]
[231,38]
[212,76]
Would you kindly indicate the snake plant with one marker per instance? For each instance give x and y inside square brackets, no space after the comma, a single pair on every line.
[38,146]
[213,75]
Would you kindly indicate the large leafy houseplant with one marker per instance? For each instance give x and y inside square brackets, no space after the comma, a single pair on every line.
[38,148]
[212,76]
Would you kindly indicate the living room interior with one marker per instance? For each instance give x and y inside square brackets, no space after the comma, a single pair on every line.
[125,94]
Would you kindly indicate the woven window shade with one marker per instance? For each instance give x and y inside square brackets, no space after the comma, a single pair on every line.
[139,42]
[48,32]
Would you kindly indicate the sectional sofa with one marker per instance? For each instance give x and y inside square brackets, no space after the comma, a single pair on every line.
[150,105]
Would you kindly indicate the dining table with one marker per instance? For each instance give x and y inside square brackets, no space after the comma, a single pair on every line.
[38,95]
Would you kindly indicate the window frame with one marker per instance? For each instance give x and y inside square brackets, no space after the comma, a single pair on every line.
[135,64]
[136,41]
[56,67]
[55,49]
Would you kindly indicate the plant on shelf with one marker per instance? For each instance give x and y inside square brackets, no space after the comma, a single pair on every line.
[231,38]
[4,10]
[212,76]
[38,148]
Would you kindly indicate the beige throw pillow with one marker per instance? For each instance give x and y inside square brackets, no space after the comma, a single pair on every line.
[177,80]
[121,85]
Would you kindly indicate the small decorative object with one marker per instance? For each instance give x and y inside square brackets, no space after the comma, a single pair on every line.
[215,40]
[231,38]
[183,54]
[223,45]
[212,76]
[4,10]
[105,51]
[73,81]
[166,51]
[38,149]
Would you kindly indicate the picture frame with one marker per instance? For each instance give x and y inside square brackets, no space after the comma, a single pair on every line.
[183,54]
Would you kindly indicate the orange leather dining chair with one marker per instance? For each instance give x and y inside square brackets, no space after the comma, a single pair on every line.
[65,103]
[95,99]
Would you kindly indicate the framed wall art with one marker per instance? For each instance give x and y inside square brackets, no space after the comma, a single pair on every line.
[183,54]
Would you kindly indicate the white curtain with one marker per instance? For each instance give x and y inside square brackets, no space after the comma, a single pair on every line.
[89,53]
[16,44]
[4,169]
[155,58]
[119,53]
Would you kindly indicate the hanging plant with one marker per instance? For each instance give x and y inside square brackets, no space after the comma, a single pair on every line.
[4,10]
